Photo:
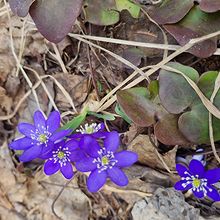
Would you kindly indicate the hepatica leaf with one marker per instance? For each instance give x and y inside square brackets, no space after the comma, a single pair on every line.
[209,5]
[54,18]
[207,83]
[107,12]
[174,91]
[194,123]
[137,106]
[108,117]
[134,55]
[101,12]
[196,24]
[120,112]
[171,11]
[153,88]
[143,111]
[167,131]
[133,9]
[20,7]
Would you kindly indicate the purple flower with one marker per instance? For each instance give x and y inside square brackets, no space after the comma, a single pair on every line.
[199,181]
[93,130]
[40,137]
[61,157]
[104,162]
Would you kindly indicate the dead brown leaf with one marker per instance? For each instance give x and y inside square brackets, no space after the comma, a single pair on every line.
[133,132]
[75,85]
[148,154]
[5,101]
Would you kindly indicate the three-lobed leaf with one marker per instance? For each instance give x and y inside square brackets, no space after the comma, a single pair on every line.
[190,121]
[144,112]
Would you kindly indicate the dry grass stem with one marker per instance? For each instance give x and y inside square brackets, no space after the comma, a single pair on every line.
[17,60]
[211,133]
[134,43]
[58,58]
[63,90]
[43,85]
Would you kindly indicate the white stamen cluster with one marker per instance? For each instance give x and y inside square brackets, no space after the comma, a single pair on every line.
[105,155]
[37,134]
[65,156]
[194,180]
[89,129]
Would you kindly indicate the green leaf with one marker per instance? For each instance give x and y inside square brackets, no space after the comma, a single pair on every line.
[174,91]
[133,9]
[108,117]
[137,106]
[75,122]
[107,12]
[153,88]
[120,112]
[101,12]
[100,87]
[194,124]
[207,82]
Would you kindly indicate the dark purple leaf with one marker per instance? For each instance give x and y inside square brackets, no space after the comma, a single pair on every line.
[133,55]
[167,131]
[54,18]
[137,106]
[171,11]
[174,91]
[20,7]
[209,5]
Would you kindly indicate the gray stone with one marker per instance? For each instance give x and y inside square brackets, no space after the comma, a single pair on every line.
[165,204]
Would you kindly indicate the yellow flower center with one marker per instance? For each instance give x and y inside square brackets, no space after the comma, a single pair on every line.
[196,183]
[89,130]
[105,160]
[61,155]
[42,138]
